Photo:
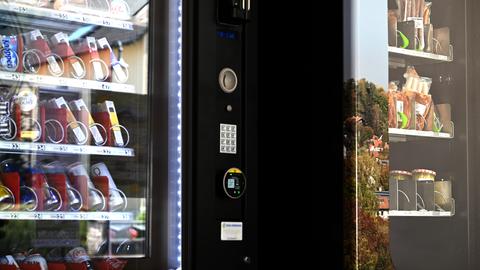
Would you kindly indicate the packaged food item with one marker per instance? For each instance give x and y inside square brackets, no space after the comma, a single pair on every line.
[74,65]
[38,57]
[78,131]
[109,107]
[392,110]
[79,105]
[430,118]
[402,189]
[403,103]
[425,188]
[27,113]
[425,84]
[422,107]
[412,79]
[392,28]
[9,58]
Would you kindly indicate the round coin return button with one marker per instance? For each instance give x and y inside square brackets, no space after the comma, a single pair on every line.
[228,80]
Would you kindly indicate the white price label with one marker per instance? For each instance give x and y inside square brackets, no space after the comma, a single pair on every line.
[15,76]
[21,9]
[62,15]
[59,216]
[77,67]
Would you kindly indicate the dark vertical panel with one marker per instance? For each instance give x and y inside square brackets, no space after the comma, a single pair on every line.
[206,109]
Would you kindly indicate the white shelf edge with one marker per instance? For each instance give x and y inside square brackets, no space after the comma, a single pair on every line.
[98,216]
[426,55]
[396,213]
[97,19]
[69,82]
[418,133]
[65,149]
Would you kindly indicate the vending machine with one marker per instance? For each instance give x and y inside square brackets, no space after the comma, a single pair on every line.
[123,135]
[411,134]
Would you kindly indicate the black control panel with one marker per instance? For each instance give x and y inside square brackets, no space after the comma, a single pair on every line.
[223,146]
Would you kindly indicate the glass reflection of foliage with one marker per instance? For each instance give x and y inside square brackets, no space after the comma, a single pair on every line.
[16,235]
[365,116]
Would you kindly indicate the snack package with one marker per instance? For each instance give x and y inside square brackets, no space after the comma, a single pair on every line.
[403,109]
[422,109]
[430,117]
[392,110]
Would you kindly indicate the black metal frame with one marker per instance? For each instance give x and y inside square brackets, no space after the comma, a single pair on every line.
[203,110]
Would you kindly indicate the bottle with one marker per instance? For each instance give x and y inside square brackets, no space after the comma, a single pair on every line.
[79,255]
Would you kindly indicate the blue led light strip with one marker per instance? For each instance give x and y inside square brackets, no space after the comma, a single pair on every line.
[179,135]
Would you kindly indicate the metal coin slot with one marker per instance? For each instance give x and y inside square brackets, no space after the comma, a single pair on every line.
[228,80]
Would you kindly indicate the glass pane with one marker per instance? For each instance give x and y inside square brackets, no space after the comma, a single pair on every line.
[409,137]
[74,127]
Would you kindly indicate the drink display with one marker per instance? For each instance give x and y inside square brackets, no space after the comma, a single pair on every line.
[74,121]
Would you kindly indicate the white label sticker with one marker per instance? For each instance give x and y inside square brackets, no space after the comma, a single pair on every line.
[231,231]
[61,37]
[97,67]
[79,136]
[420,108]
[121,76]
[77,67]
[118,137]
[54,65]
[418,21]
[27,100]
[399,106]
[96,135]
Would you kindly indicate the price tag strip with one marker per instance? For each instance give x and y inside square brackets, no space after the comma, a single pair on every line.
[66,149]
[108,216]
[65,15]
[69,82]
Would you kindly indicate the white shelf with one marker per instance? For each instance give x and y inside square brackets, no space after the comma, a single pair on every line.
[419,54]
[99,19]
[395,213]
[50,148]
[105,216]
[69,82]
[398,134]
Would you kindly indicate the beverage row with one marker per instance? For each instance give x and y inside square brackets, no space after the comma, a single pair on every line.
[74,259]
[60,56]
[57,186]
[24,118]
[110,8]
